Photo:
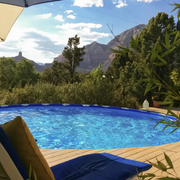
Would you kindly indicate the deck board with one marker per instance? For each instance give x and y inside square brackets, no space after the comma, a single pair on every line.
[144,154]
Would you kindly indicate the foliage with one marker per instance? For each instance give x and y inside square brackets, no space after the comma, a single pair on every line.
[143,49]
[73,55]
[3,95]
[79,76]
[175,77]
[159,53]
[118,62]
[102,92]
[39,93]
[96,74]
[88,93]
[7,73]
[154,37]
[158,59]
[130,82]
[62,84]
[16,75]
[155,81]
[130,62]
[167,169]
[55,75]
[25,73]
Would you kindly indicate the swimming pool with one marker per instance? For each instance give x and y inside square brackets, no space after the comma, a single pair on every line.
[89,127]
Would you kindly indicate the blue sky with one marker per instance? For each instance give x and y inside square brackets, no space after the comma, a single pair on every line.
[41,32]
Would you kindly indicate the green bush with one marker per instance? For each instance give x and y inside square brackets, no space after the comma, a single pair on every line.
[88,92]
[39,93]
[101,92]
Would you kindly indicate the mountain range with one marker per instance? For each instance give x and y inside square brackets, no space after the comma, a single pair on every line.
[96,53]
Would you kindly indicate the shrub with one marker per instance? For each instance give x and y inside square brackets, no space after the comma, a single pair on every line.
[101,92]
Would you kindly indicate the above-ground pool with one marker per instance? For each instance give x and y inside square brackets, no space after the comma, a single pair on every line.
[90,127]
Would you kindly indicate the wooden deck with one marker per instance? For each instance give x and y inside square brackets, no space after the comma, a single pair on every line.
[144,154]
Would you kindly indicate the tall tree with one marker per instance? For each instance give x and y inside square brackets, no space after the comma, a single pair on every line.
[154,34]
[152,37]
[73,55]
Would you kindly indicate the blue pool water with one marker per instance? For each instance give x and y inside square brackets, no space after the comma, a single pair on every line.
[77,127]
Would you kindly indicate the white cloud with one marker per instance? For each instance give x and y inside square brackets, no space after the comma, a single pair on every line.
[68,11]
[79,25]
[88,3]
[42,46]
[32,44]
[146,1]
[83,30]
[120,3]
[114,1]
[59,18]
[45,16]
[71,16]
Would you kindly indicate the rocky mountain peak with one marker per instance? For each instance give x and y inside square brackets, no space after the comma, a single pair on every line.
[94,42]
[100,53]
[37,67]
[125,37]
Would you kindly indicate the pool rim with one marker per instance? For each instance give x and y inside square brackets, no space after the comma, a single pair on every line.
[89,105]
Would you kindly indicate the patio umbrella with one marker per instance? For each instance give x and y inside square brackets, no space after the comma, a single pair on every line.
[10,11]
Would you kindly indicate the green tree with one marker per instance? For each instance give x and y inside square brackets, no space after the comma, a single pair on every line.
[154,34]
[129,63]
[79,76]
[118,62]
[25,73]
[131,84]
[7,73]
[96,74]
[56,75]
[151,36]
[46,76]
[73,55]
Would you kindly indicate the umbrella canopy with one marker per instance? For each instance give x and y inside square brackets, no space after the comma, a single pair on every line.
[8,15]
[10,11]
[25,3]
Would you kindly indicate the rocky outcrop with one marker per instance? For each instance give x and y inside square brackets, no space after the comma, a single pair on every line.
[38,68]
